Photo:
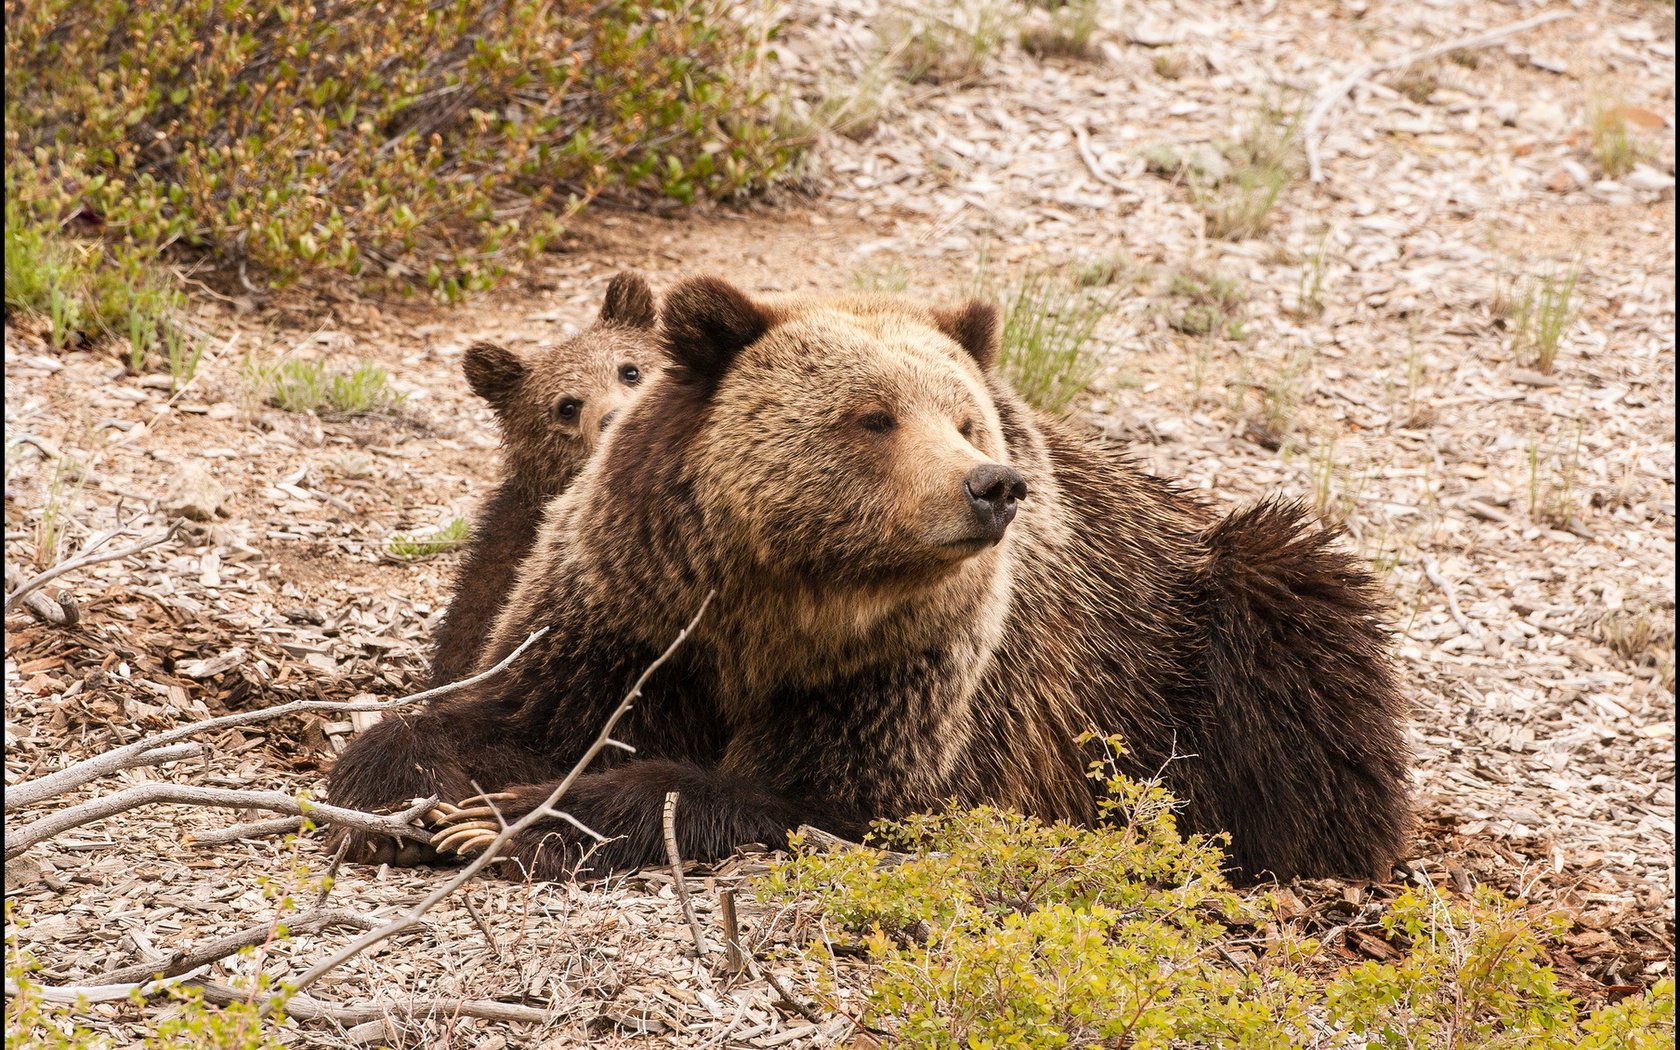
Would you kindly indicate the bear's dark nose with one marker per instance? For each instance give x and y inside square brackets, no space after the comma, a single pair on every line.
[992,493]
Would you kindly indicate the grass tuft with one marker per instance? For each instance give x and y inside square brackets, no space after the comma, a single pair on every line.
[1539,314]
[1047,326]
[307,386]
[1067,32]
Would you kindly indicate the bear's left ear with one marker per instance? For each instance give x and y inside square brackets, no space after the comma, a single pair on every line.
[707,322]
[973,326]
[629,302]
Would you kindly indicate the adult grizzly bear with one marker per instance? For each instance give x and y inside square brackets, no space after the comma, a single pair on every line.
[896,621]
[551,408]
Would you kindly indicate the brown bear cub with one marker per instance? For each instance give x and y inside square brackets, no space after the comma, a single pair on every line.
[551,407]
[922,589]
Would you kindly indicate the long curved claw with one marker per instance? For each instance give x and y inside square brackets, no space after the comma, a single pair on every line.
[466,838]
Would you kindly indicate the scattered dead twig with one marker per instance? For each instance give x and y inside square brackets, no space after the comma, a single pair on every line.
[84,559]
[187,959]
[1339,90]
[73,776]
[734,960]
[157,792]
[1082,141]
[805,1010]
[416,913]
[1432,569]
[675,857]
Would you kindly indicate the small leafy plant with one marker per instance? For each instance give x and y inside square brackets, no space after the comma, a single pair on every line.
[300,385]
[411,547]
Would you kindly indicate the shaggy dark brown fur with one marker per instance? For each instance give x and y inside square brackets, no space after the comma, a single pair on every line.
[551,407]
[842,473]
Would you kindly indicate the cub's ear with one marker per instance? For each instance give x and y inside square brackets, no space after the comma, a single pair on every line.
[974,327]
[493,373]
[629,302]
[707,322]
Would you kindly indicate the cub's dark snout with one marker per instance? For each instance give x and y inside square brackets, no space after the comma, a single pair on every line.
[993,491]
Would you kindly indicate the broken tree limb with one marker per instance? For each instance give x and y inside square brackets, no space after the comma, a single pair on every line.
[188,959]
[479,863]
[230,798]
[73,776]
[1339,90]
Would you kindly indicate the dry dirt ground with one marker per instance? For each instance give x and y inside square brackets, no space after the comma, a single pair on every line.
[1524,520]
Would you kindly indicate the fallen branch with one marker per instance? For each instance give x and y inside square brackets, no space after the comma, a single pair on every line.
[73,776]
[415,914]
[675,857]
[231,798]
[1082,141]
[1339,90]
[185,960]
[299,1007]
[64,612]
[257,829]
[1432,569]
[82,560]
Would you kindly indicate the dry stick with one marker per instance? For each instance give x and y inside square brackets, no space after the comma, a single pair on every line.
[1082,140]
[82,560]
[301,1008]
[414,915]
[74,776]
[180,962]
[1339,90]
[1432,569]
[733,961]
[257,829]
[700,947]
[157,792]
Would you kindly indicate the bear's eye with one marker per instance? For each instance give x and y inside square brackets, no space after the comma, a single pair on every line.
[630,374]
[878,422]
[568,409]
[967,430]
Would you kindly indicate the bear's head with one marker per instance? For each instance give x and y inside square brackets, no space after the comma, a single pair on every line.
[553,405]
[839,442]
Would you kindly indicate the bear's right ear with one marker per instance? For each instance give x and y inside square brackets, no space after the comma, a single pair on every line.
[629,302]
[707,322]
[974,327]
[493,373]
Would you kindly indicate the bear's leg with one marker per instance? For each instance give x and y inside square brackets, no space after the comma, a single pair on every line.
[447,754]
[1302,753]
[715,814]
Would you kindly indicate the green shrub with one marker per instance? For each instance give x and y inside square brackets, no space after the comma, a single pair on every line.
[997,930]
[412,548]
[423,141]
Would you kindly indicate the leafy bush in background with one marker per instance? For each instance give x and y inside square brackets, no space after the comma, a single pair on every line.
[424,141]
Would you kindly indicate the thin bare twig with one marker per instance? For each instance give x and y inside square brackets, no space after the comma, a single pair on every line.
[1082,140]
[186,959]
[414,915]
[675,857]
[1432,569]
[1337,91]
[80,773]
[83,560]
[157,792]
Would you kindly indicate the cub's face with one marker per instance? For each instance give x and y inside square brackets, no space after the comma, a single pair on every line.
[854,441]
[554,404]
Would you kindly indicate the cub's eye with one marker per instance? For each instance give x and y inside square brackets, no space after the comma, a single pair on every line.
[630,374]
[967,429]
[878,422]
[568,409]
